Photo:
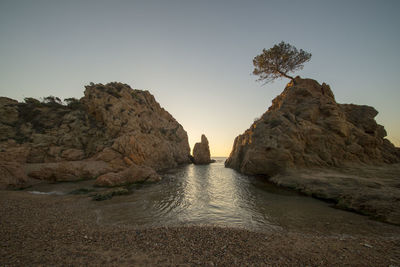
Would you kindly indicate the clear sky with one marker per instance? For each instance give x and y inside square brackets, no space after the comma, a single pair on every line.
[195,56]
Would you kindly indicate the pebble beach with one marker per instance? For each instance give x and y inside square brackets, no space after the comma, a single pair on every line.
[45,230]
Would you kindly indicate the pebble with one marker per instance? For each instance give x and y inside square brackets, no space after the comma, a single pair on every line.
[367,245]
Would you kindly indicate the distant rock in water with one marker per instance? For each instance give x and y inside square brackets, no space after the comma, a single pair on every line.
[305,127]
[201,152]
[111,129]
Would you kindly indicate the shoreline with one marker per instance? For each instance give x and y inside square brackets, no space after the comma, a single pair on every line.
[61,230]
[368,190]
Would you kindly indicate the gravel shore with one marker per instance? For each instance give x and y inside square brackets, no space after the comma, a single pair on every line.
[62,230]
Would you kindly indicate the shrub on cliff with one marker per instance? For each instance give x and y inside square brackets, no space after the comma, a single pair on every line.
[73,103]
[32,101]
[52,101]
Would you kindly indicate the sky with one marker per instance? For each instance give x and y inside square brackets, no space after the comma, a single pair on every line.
[195,57]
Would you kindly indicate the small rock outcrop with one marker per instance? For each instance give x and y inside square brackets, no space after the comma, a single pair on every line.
[305,127]
[111,129]
[201,152]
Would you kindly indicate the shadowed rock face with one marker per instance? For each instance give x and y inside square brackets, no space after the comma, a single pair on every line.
[201,152]
[112,126]
[306,127]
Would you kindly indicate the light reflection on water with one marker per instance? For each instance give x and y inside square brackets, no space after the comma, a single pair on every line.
[215,195]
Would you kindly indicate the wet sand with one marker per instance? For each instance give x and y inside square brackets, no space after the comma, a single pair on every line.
[62,230]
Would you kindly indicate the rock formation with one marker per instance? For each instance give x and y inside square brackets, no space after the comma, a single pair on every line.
[308,142]
[201,152]
[305,127]
[130,175]
[112,128]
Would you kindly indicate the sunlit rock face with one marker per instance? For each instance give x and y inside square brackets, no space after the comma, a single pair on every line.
[141,131]
[201,152]
[306,127]
[113,127]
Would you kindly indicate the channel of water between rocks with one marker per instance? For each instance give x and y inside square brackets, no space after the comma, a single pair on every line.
[215,195]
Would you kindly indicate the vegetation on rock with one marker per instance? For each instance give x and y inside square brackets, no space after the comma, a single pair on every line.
[279,61]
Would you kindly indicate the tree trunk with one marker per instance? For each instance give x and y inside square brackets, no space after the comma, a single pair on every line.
[287,76]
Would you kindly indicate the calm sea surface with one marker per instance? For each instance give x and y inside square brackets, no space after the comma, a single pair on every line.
[215,195]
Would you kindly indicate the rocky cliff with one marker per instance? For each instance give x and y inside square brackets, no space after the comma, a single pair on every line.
[305,127]
[308,142]
[111,129]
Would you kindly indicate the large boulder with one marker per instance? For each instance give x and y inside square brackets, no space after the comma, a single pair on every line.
[201,152]
[305,127]
[133,174]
